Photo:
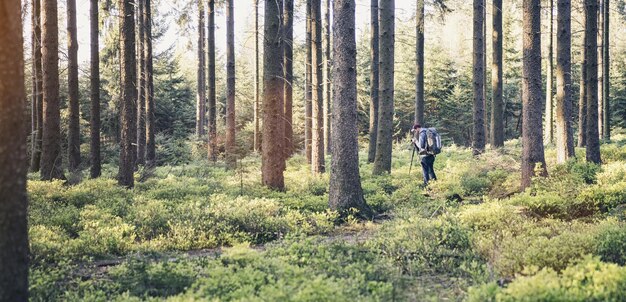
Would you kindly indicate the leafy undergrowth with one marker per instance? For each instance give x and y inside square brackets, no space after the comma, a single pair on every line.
[198,232]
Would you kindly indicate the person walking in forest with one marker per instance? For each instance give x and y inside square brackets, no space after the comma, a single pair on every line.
[427,142]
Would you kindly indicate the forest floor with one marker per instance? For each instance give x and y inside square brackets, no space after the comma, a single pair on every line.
[197,232]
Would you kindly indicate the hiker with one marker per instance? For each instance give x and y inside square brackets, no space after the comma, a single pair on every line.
[428,145]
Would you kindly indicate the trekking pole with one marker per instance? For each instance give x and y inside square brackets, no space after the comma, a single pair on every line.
[412,155]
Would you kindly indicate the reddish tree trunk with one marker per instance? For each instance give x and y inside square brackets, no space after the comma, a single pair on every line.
[94,128]
[51,160]
[478,143]
[288,46]
[38,87]
[13,157]
[273,161]
[231,156]
[374,77]
[212,146]
[532,139]
[73,144]
[128,98]
[149,91]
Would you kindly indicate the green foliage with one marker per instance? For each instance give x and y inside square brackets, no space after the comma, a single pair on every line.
[589,280]
[585,170]
[611,245]
[468,228]
[419,245]
[142,278]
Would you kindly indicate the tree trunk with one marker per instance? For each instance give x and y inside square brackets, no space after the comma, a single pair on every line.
[600,48]
[485,98]
[497,105]
[591,80]
[149,91]
[384,139]
[73,143]
[606,133]
[564,136]
[419,63]
[308,95]
[94,127]
[549,113]
[128,99]
[13,156]
[38,87]
[327,90]
[257,133]
[273,161]
[582,101]
[141,86]
[200,96]
[288,45]
[532,139]
[317,144]
[51,160]
[231,156]
[478,145]
[345,190]
[374,77]
[212,122]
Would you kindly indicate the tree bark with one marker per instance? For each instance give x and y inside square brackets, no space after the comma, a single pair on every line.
[532,139]
[600,49]
[73,143]
[485,98]
[384,139]
[200,96]
[564,135]
[582,101]
[51,160]
[128,98]
[141,86]
[231,156]
[13,157]
[212,122]
[591,80]
[273,161]
[374,77]
[257,133]
[327,90]
[419,63]
[94,127]
[345,192]
[38,87]
[308,94]
[606,133]
[497,105]
[288,46]
[478,144]
[149,91]
[317,144]
[549,113]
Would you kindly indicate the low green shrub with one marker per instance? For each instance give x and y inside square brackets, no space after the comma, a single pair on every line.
[605,197]
[102,234]
[613,153]
[587,171]
[589,280]
[475,184]
[611,244]
[139,277]
[419,245]
[554,206]
[611,173]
